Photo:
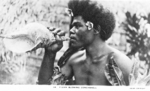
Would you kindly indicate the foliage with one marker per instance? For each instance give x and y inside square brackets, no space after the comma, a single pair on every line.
[136,27]
[139,76]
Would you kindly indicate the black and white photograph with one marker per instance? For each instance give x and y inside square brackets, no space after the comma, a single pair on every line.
[75,44]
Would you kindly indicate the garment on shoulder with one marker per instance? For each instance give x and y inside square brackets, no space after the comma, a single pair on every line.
[113,73]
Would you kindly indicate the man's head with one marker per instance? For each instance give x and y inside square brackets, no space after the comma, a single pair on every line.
[87,11]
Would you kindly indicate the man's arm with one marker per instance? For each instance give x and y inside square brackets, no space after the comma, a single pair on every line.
[46,70]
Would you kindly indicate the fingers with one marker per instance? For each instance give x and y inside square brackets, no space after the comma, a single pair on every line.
[57,31]
[51,28]
[59,34]
[62,38]
[58,38]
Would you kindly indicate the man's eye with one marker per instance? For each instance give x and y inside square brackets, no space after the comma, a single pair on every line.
[75,25]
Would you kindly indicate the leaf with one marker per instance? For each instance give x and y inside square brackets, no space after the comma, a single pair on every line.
[131,79]
[134,70]
[148,83]
[146,80]
[139,75]
[119,75]
[110,76]
[113,73]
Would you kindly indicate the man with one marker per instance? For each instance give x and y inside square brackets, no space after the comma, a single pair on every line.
[91,26]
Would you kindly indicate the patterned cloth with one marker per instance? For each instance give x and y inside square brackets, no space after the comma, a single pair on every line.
[58,78]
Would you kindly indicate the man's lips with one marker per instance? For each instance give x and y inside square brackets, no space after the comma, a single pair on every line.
[72,37]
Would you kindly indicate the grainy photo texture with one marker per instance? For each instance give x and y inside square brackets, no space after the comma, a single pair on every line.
[75,42]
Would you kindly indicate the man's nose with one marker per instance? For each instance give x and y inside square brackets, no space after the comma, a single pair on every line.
[72,30]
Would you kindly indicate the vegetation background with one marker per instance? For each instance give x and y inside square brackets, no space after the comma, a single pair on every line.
[24,68]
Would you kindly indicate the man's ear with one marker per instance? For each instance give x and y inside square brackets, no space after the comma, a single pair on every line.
[89,25]
[96,31]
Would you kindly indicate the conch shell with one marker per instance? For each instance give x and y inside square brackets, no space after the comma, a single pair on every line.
[31,37]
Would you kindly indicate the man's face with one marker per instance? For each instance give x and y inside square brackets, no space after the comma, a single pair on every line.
[80,36]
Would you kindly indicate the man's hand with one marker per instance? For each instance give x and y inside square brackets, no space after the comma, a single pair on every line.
[46,70]
[58,43]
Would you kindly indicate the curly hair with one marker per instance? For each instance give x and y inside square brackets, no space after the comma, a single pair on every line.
[95,13]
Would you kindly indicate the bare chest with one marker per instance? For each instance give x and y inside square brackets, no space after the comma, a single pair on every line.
[90,74]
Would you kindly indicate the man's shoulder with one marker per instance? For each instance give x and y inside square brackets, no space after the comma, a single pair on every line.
[122,60]
[119,55]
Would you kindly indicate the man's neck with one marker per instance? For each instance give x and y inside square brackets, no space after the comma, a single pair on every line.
[96,49]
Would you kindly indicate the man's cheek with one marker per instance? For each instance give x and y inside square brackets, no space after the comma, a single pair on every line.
[81,37]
